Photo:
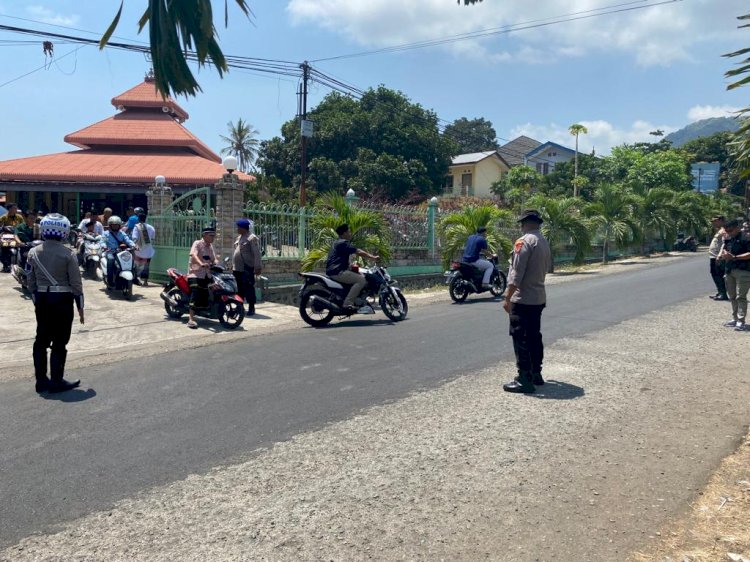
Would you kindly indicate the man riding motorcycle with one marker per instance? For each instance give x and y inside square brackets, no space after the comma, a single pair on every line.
[111,242]
[475,246]
[337,265]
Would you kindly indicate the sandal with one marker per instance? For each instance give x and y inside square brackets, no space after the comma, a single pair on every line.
[192,324]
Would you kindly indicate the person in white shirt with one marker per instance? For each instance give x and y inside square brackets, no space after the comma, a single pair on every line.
[143,235]
[98,228]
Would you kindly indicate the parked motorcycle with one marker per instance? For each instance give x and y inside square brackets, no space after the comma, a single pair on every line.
[20,268]
[124,266]
[91,255]
[223,301]
[464,279]
[321,298]
[684,244]
[8,244]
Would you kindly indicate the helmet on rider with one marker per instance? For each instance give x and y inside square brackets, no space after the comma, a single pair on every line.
[54,226]
[138,211]
[114,220]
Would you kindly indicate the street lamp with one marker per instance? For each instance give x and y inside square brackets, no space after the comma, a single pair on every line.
[230,164]
[160,181]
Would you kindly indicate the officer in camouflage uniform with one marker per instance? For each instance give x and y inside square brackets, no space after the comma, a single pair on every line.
[525,299]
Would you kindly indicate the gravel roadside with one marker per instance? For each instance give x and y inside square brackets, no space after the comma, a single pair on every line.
[623,437]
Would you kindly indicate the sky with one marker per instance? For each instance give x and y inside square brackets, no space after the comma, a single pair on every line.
[622,75]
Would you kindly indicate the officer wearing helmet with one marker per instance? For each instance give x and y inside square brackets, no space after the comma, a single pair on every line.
[133,219]
[111,241]
[55,283]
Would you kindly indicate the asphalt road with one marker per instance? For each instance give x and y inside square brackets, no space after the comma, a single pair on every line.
[142,423]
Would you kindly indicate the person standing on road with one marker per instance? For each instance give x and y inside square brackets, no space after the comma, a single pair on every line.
[475,245]
[736,258]
[337,264]
[246,264]
[525,298]
[55,283]
[202,257]
[716,267]
[143,234]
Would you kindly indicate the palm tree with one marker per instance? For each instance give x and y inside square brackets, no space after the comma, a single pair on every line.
[243,143]
[369,230]
[612,212]
[654,210]
[562,222]
[456,228]
[575,130]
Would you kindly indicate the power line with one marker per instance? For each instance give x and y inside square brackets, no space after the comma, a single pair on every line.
[40,68]
[67,27]
[506,29]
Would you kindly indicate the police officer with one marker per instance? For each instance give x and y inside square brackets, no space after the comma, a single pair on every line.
[54,282]
[736,258]
[525,299]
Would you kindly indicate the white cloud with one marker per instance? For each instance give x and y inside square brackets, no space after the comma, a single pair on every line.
[698,112]
[657,35]
[48,16]
[602,135]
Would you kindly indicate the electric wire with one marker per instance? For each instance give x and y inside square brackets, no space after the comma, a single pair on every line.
[44,66]
[506,29]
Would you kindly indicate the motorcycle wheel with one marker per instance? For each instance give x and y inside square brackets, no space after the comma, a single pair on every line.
[458,289]
[390,307]
[91,269]
[309,312]
[173,312]
[231,314]
[499,284]
[127,292]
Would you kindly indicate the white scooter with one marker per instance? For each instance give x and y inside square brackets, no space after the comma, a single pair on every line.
[124,266]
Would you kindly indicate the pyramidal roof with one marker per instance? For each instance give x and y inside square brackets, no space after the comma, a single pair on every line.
[145,120]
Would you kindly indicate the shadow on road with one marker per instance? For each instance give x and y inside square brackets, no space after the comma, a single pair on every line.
[75,395]
[346,323]
[556,390]
[569,273]
[479,300]
[258,316]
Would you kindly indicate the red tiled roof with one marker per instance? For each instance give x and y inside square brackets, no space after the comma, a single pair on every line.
[140,128]
[145,95]
[112,166]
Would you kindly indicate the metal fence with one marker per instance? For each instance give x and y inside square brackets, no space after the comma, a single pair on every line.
[411,228]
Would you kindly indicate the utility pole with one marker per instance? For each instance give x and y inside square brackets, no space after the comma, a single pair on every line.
[306,132]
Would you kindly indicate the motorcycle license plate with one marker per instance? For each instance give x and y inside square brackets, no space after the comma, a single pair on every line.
[449,275]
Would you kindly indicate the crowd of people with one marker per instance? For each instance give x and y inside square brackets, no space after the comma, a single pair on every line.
[729,259]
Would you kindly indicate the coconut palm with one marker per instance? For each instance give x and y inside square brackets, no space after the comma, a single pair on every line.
[242,143]
[369,230]
[612,213]
[563,221]
[575,130]
[456,228]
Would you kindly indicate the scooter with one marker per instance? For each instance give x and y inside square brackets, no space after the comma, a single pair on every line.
[464,279]
[124,267]
[91,255]
[8,244]
[20,267]
[224,303]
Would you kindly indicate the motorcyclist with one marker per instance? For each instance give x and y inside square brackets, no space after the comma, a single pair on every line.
[5,251]
[27,233]
[337,265]
[111,242]
[89,234]
[476,246]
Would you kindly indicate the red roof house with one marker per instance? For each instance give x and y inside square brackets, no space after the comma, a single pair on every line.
[117,160]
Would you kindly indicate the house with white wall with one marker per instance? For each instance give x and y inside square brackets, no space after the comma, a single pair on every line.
[472,175]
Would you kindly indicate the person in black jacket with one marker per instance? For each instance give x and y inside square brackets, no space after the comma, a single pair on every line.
[735,256]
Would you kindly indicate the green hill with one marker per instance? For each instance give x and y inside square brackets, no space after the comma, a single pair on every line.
[702,128]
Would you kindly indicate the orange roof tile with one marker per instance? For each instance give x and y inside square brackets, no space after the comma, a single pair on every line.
[139,128]
[112,166]
[145,95]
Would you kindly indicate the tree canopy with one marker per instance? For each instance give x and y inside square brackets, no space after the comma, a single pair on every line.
[472,135]
[382,145]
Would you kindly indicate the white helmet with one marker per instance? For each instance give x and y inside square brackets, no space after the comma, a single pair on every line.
[114,219]
[54,226]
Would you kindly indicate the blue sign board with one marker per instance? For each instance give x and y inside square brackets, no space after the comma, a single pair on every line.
[705,176]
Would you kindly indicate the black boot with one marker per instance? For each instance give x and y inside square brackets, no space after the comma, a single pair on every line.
[521,384]
[62,385]
[42,384]
[537,379]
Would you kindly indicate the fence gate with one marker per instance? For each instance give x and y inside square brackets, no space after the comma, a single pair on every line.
[177,227]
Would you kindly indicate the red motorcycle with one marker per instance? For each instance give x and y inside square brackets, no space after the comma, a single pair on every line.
[224,303]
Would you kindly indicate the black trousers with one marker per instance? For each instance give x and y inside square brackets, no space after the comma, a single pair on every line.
[525,329]
[54,321]
[5,257]
[246,285]
[198,292]
[717,274]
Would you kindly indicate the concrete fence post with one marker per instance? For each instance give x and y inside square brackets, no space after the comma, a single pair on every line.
[229,207]
[431,226]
